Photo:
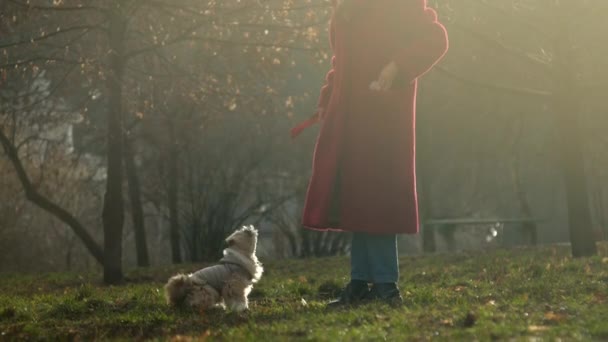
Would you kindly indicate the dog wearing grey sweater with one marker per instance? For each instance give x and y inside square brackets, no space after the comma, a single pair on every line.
[226,284]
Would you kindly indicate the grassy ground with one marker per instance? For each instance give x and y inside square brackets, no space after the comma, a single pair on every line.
[507,294]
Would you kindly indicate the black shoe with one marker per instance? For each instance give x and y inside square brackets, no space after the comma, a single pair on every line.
[355,292]
[386,292]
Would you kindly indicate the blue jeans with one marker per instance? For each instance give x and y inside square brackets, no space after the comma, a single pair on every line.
[373,258]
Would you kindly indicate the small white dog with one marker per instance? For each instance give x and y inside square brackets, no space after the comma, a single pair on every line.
[227,283]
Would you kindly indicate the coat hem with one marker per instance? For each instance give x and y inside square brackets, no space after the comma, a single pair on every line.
[354,230]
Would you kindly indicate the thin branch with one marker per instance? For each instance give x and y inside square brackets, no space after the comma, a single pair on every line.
[220,41]
[530,24]
[39,59]
[259,44]
[507,89]
[69,42]
[187,33]
[58,7]
[49,35]
[51,92]
[171,4]
[497,44]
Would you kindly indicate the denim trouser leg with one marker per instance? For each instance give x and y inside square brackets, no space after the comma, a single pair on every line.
[383,258]
[359,263]
[374,258]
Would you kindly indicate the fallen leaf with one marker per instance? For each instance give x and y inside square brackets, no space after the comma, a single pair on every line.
[552,317]
[447,322]
[459,288]
[599,298]
[537,328]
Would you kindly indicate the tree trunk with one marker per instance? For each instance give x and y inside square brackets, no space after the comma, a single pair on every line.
[528,228]
[173,191]
[137,211]
[566,105]
[425,213]
[113,206]
[317,243]
[579,215]
[306,250]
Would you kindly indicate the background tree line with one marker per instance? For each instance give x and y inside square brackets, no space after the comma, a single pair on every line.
[140,132]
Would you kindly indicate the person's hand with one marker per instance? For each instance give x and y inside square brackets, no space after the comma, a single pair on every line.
[386,78]
[320,112]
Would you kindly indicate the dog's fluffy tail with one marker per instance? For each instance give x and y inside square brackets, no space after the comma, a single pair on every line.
[177,289]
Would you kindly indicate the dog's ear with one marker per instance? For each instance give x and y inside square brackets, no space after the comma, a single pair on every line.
[178,280]
[250,230]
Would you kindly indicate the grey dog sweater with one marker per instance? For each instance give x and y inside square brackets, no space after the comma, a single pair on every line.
[215,276]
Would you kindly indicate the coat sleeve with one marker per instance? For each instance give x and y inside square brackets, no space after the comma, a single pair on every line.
[425,40]
[327,88]
[326,91]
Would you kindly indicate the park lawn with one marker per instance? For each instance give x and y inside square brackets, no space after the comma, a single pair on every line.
[503,294]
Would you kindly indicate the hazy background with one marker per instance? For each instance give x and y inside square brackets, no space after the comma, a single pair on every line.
[193,102]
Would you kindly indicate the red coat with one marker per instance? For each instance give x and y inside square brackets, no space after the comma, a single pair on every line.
[363,176]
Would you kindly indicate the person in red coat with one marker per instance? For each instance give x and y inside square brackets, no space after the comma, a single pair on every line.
[363,175]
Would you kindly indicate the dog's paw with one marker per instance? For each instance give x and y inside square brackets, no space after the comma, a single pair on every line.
[239,307]
[220,306]
[241,315]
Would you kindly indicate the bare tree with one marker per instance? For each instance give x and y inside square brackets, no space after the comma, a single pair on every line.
[135,199]
[101,48]
[21,123]
[559,67]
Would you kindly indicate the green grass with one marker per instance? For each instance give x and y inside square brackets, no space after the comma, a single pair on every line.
[507,294]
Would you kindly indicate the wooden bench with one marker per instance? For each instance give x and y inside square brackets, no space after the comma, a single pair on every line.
[447,227]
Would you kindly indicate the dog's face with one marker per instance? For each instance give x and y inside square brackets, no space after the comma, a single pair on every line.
[244,240]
